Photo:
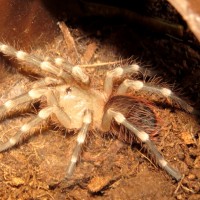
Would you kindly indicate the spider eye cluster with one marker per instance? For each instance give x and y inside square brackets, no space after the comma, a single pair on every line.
[68,90]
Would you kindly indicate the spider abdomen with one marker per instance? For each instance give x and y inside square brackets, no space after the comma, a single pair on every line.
[136,111]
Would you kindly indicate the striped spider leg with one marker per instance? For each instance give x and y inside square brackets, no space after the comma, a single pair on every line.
[64,72]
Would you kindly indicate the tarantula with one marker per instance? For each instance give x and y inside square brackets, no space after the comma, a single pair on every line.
[79,107]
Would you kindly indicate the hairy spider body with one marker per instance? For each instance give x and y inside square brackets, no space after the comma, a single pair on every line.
[136,111]
[77,106]
[75,101]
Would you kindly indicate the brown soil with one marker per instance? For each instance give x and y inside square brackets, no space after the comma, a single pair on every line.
[109,169]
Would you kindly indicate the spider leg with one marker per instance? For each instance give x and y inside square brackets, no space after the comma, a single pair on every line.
[47,81]
[42,115]
[45,65]
[143,137]
[165,92]
[79,142]
[38,90]
[33,60]
[13,103]
[76,71]
[117,73]
[65,120]
[62,117]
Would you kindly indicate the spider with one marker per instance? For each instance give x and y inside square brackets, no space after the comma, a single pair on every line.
[79,107]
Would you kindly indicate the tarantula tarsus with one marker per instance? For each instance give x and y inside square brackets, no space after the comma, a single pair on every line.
[79,107]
